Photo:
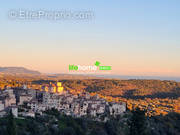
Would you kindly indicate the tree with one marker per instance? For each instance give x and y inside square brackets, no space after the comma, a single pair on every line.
[11,125]
[138,122]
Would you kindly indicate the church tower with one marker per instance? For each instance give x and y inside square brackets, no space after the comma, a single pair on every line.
[60,89]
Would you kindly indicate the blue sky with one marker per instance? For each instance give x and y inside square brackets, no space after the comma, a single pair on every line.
[135,37]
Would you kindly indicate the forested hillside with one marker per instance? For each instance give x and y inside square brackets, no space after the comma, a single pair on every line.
[128,88]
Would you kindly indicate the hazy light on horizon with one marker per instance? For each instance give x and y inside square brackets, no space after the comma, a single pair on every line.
[135,38]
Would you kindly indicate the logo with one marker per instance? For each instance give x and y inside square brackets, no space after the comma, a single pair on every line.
[95,67]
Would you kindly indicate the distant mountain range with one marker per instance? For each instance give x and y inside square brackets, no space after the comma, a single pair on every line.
[27,73]
[17,70]
[21,71]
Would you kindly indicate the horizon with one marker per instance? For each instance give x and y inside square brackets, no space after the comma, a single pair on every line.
[90,67]
[94,74]
[135,38]
[112,76]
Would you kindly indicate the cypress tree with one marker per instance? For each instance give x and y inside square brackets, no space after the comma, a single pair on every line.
[138,123]
[11,125]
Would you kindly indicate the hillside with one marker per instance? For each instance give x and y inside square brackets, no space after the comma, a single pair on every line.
[128,88]
[17,70]
[156,96]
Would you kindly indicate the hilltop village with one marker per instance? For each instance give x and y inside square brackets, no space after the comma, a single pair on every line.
[28,102]
[155,96]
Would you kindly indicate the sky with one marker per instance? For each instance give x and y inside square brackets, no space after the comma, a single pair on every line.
[134,37]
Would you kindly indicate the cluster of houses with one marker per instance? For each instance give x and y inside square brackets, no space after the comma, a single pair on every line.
[25,102]
[7,102]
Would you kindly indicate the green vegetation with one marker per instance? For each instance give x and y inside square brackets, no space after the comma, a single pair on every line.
[138,123]
[53,123]
[11,125]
